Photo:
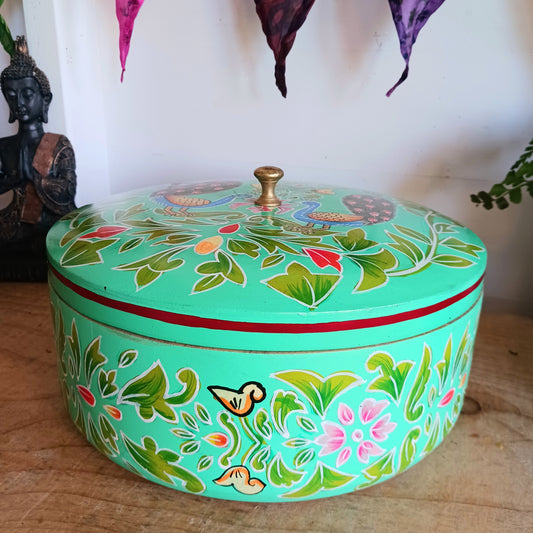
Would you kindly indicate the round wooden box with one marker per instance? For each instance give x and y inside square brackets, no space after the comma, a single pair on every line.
[264,352]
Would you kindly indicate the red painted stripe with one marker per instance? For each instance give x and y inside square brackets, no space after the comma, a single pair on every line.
[254,327]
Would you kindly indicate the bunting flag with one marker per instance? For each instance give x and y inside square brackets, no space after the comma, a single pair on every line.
[409,17]
[281,19]
[127,11]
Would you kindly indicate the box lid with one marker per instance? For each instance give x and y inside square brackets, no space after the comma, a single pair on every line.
[205,256]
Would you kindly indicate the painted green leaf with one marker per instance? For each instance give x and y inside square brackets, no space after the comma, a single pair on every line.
[82,223]
[446,426]
[443,366]
[460,246]
[144,276]
[243,247]
[149,392]
[202,414]
[272,260]
[408,449]
[413,408]
[106,383]
[75,350]
[406,247]
[306,424]
[204,463]
[354,241]
[189,421]
[93,359]
[79,421]
[259,459]
[189,447]
[109,434]
[60,339]
[130,244]
[174,238]
[319,391]
[323,478]
[299,284]
[392,376]
[433,436]
[384,466]
[453,261]
[83,252]
[208,282]
[303,457]
[283,404]
[209,267]
[412,234]
[431,396]
[183,433]
[442,227]
[162,464]
[126,358]
[230,268]
[96,439]
[457,405]
[225,420]
[279,474]
[262,424]
[296,442]
[373,267]
[464,351]
[123,214]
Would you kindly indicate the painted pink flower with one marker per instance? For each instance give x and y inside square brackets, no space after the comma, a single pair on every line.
[343,456]
[332,440]
[371,409]
[381,429]
[345,414]
[366,449]
[447,398]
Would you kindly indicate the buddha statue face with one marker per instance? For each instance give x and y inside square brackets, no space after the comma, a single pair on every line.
[26,102]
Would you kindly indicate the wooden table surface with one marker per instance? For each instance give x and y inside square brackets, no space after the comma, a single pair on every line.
[51,479]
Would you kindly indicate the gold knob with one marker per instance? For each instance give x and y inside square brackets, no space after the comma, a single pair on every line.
[268,178]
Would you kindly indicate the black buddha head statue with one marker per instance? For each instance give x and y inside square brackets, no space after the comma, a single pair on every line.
[25,87]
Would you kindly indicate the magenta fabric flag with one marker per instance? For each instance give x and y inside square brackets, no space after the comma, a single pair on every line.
[127,11]
[409,18]
[281,19]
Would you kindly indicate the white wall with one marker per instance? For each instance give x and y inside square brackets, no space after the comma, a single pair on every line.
[199,101]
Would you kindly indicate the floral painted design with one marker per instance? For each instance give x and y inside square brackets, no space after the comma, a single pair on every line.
[290,434]
[304,254]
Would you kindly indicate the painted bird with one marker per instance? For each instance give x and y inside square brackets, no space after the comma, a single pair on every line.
[185,197]
[311,216]
[372,209]
[239,402]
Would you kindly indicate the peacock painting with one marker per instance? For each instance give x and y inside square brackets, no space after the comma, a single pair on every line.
[190,196]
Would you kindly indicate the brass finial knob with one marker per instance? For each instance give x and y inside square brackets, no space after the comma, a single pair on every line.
[268,178]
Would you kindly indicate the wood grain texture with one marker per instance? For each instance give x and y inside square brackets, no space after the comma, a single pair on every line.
[479,480]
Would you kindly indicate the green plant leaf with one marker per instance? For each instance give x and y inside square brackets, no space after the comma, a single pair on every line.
[413,408]
[354,241]
[408,449]
[373,267]
[303,457]
[262,424]
[149,392]
[248,248]
[453,261]
[272,260]
[109,434]
[93,359]
[280,475]
[6,38]
[283,404]
[306,424]
[162,464]
[106,383]
[323,478]
[83,252]
[319,391]
[392,376]
[460,246]
[126,358]
[383,467]
[259,459]
[204,463]
[202,414]
[299,284]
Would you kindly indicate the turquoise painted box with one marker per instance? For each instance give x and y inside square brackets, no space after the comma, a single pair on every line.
[264,350]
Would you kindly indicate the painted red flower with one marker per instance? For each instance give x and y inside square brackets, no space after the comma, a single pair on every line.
[87,395]
[104,232]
